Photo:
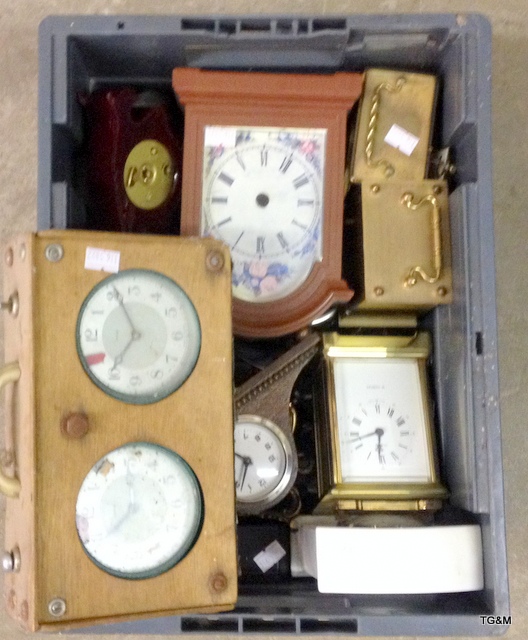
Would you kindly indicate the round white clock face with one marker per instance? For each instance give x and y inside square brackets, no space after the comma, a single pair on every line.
[138,336]
[381,421]
[139,511]
[264,462]
[263,197]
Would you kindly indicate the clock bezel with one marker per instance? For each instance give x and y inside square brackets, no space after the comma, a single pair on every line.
[184,550]
[305,101]
[138,399]
[372,495]
[280,491]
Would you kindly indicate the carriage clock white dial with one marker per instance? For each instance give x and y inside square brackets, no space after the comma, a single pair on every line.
[265,463]
[139,511]
[381,421]
[263,197]
[138,336]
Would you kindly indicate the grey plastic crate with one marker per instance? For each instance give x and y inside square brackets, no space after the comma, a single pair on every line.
[81,53]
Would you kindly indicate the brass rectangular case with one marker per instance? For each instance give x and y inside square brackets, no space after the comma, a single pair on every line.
[405,251]
[196,421]
[339,496]
[393,98]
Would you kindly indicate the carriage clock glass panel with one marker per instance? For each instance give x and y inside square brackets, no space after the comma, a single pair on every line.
[263,196]
[382,432]
[139,511]
[138,336]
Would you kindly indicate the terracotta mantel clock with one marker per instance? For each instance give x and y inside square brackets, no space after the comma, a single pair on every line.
[264,160]
[375,438]
[115,506]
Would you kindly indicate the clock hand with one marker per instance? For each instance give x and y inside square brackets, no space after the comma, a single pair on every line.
[119,358]
[367,435]
[131,510]
[247,462]
[135,333]
[379,447]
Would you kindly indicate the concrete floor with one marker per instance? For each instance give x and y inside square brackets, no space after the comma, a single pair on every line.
[19,21]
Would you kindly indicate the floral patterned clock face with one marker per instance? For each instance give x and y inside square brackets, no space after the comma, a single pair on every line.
[263,196]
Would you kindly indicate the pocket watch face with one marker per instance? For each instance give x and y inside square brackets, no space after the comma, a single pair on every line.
[138,336]
[263,197]
[139,511]
[382,428]
[264,463]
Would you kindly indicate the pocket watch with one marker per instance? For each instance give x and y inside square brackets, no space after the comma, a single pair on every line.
[138,336]
[265,454]
[375,439]
[139,510]
[264,164]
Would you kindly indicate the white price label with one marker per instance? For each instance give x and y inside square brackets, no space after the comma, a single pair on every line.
[102,260]
[269,557]
[401,139]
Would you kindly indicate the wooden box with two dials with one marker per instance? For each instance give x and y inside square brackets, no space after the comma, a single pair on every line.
[122,485]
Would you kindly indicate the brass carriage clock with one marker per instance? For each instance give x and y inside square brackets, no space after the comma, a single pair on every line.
[375,438]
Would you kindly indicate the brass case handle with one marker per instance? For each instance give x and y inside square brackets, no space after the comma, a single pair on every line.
[418,271]
[373,124]
[9,486]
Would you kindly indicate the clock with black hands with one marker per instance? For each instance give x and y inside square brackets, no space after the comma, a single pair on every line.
[374,425]
[263,171]
[265,454]
[138,336]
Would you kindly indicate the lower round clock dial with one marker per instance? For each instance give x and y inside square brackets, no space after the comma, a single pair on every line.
[139,511]
[265,463]
[138,336]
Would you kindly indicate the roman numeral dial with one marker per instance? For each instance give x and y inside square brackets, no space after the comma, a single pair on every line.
[264,198]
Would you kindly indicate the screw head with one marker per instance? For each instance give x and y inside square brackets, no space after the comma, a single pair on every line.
[379,291]
[57,607]
[441,291]
[437,189]
[22,252]
[214,261]
[11,561]
[8,562]
[9,257]
[218,582]
[54,252]
[375,188]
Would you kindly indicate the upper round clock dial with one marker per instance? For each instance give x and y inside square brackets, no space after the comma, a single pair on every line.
[381,422]
[139,510]
[263,196]
[264,462]
[138,336]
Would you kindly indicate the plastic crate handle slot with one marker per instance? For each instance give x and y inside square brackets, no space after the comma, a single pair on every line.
[9,486]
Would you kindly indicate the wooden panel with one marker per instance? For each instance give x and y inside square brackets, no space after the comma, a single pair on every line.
[195,421]
[19,587]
